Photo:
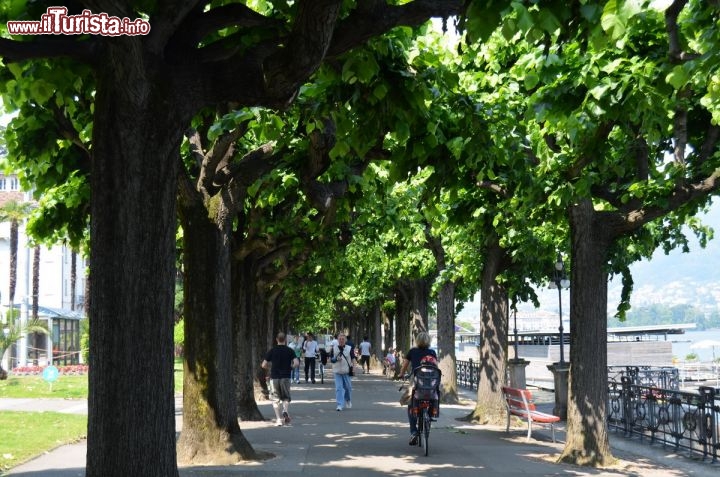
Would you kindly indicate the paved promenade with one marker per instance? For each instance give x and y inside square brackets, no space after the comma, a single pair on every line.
[372,439]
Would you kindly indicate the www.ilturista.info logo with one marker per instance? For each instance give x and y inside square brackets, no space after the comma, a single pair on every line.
[57,22]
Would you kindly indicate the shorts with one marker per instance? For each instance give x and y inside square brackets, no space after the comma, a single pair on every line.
[281,389]
[364,359]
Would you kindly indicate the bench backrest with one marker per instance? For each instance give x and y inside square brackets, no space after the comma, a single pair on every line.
[518,398]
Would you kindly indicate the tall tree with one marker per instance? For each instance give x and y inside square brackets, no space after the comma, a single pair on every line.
[624,175]
[147,90]
[14,212]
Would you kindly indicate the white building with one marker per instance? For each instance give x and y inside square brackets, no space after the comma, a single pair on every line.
[54,294]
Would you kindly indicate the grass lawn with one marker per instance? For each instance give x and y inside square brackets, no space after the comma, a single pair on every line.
[36,387]
[24,435]
[66,386]
[28,434]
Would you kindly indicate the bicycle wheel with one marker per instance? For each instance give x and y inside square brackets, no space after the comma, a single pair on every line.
[426,429]
[420,431]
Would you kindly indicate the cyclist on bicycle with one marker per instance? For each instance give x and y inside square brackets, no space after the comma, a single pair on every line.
[414,358]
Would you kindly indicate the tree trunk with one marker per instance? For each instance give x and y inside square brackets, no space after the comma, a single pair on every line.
[211,434]
[13,262]
[403,309]
[244,338]
[389,322]
[446,320]
[587,440]
[73,279]
[131,408]
[35,283]
[36,302]
[376,339]
[446,341]
[262,341]
[490,407]
[419,312]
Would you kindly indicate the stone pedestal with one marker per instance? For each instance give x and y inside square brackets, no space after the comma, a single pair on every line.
[516,369]
[561,372]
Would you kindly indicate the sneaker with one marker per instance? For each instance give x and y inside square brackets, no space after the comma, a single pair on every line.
[279,422]
[413,440]
[348,404]
[286,417]
[338,409]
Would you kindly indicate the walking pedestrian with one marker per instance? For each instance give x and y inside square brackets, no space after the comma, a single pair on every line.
[281,359]
[365,348]
[310,347]
[342,360]
[297,348]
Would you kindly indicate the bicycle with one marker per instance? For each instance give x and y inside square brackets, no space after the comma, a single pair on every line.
[321,358]
[425,401]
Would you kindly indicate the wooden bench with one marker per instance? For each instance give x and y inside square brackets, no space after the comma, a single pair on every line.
[519,402]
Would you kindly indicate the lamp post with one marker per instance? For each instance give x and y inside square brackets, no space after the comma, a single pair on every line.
[515,331]
[561,369]
[517,364]
[560,281]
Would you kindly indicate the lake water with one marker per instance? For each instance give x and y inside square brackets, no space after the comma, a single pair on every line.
[681,344]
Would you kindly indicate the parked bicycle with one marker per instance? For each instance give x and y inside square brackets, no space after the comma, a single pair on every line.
[322,358]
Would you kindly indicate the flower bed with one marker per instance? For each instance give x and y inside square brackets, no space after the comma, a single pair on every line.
[73,369]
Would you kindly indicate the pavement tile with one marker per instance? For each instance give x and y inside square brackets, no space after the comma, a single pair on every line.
[371,439]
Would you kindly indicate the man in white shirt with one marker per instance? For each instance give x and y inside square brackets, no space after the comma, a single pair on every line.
[365,354]
[343,360]
[310,347]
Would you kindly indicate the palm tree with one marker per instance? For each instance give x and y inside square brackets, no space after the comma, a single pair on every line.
[35,297]
[14,212]
[73,278]
[12,332]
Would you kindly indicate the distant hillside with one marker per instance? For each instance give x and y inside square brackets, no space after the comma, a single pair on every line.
[678,278]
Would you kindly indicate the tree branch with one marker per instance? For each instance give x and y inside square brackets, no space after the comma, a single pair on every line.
[302,52]
[48,47]
[196,149]
[271,73]
[675,52]
[680,129]
[377,17]
[493,187]
[167,20]
[634,218]
[197,27]
[708,146]
[251,167]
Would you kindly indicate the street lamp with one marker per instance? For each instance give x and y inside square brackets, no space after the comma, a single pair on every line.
[560,281]
[516,335]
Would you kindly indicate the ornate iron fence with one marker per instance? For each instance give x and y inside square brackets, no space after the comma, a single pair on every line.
[665,377]
[686,421]
[468,374]
[645,402]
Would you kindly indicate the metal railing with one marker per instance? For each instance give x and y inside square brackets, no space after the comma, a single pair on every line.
[646,402]
[666,377]
[468,374]
[685,421]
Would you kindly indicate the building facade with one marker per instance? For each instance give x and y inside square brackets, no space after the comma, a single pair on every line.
[57,307]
